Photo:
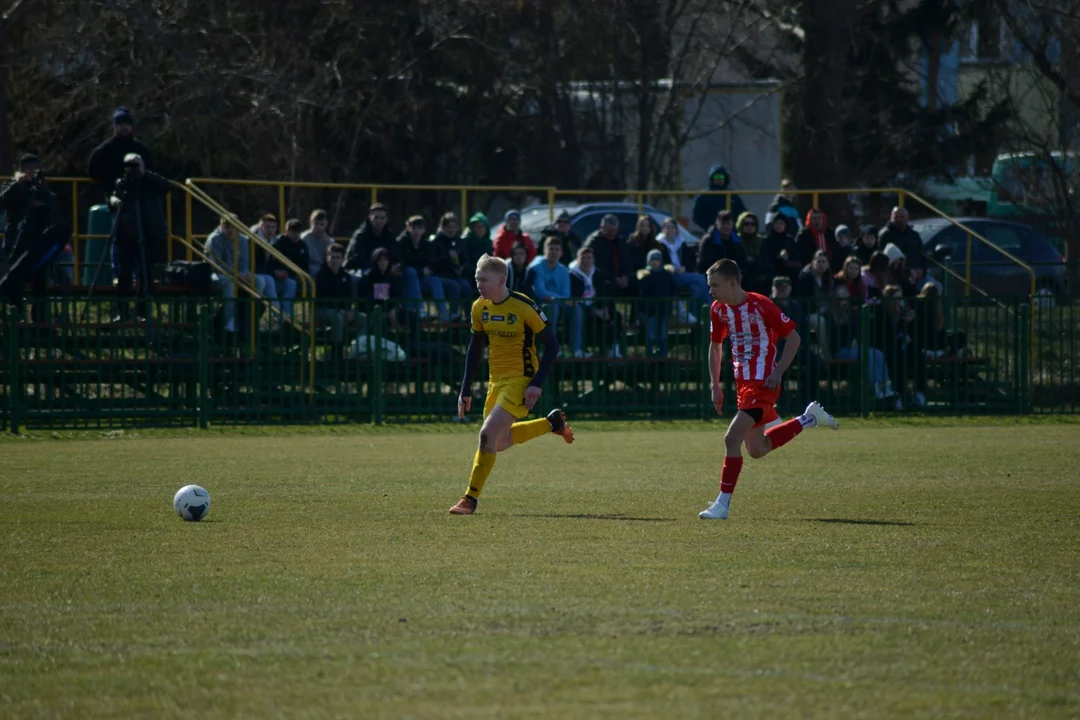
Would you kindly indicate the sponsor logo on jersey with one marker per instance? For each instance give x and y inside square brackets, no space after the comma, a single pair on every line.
[498,318]
[542,315]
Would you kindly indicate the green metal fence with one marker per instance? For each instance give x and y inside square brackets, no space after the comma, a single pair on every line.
[68,363]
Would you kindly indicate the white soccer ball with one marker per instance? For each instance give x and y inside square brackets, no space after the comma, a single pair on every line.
[192,503]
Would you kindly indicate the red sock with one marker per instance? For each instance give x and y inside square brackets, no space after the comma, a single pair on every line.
[783,433]
[730,474]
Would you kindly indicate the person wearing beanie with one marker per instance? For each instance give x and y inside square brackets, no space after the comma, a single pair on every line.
[510,234]
[657,288]
[867,244]
[107,161]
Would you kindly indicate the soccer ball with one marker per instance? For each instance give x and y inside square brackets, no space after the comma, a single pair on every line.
[192,503]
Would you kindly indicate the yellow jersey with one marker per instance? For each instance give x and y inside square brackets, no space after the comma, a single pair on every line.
[511,328]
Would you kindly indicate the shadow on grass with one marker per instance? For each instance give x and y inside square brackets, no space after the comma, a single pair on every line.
[590,516]
[850,521]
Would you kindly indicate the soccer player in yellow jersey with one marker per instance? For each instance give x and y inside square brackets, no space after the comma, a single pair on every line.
[512,324]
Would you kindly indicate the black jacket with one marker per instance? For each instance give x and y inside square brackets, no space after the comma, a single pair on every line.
[378,288]
[296,252]
[147,192]
[332,287]
[806,245]
[571,243]
[713,248]
[908,240]
[107,160]
[419,257]
[444,265]
[363,243]
[806,287]
[613,259]
[520,281]
[17,202]
[658,286]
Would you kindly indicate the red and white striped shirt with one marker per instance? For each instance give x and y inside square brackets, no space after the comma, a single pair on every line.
[753,328]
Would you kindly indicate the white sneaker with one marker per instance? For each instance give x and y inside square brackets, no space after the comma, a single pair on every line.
[715,511]
[821,418]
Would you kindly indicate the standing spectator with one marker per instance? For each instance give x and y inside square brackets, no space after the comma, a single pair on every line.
[451,261]
[816,236]
[642,241]
[318,240]
[551,279]
[267,231]
[295,250]
[414,251]
[850,276]
[477,239]
[381,285]
[510,234]
[902,354]
[757,274]
[671,245]
[778,250]
[844,342]
[903,236]
[518,276]
[874,275]
[784,204]
[230,254]
[333,299]
[809,362]
[373,233]
[658,288]
[107,160]
[561,229]
[138,199]
[843,242]
[589,286]
[898,273]
[867,244]
[706,207]
[815,287]
[612,258]
[719,243]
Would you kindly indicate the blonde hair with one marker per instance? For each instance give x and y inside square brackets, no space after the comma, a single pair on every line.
[491,264]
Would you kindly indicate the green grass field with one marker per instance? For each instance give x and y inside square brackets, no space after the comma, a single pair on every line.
[877,571]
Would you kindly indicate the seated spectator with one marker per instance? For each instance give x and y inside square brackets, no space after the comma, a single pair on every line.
[318,240]
[267,231]
[642,241]
[867,244]
[808,360]
[450,263]
[612,258]
[334,299]
[778,253]
[816,236]
[815,288]
[381,286]
[550,279]
[561,229]
[850,276]
[874,275]
[930,331]
[720,242]
[898,273]
[373,233]
[413,250]
[510,234]
[758,272]
[231,255]
[902,354]
[295,250]
[844,342]
[672,245]
[589,287]
[843,242]
[657,289]
[518,277]
[906,239]
[784,204]
[477,239]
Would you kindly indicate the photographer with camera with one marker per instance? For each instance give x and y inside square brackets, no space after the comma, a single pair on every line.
[32,238]
[139,230]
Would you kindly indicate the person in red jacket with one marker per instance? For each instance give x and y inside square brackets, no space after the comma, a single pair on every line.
[509,234]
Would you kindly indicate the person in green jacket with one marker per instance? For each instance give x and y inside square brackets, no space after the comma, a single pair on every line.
[477,237]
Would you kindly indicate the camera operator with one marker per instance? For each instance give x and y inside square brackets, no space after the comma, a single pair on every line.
[107,160]
[32,238]
[140,230]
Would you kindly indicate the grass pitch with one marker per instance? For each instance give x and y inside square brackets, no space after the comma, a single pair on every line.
[875,572]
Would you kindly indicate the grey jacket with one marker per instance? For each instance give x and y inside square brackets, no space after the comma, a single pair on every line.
[220,249]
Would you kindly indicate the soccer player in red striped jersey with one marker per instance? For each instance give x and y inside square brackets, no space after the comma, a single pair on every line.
[752,323]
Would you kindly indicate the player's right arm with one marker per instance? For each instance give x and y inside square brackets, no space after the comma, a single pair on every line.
[717,333]
[473,356]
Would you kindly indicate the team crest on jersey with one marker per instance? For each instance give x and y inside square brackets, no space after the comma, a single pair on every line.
[784,318]
[511,319]
[484,316]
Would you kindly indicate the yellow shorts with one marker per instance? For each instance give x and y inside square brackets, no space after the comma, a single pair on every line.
[508,394]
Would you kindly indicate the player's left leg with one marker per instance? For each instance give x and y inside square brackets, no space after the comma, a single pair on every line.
[736,434]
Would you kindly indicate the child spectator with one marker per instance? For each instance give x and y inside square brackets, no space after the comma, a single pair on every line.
[413,250]
[518,277]
[657,287]
[381,285]
[318,240]
[844,341]
[550,279]
[333,298]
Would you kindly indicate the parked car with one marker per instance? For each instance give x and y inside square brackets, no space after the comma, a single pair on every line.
[585,220]
[990,270]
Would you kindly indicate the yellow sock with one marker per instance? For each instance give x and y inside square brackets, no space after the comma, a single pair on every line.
[529,430]
[481,468]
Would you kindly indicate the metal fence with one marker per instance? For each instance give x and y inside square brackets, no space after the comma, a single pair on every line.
[69,363]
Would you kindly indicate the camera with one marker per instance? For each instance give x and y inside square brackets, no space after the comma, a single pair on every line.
[38,188]
[131,166]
